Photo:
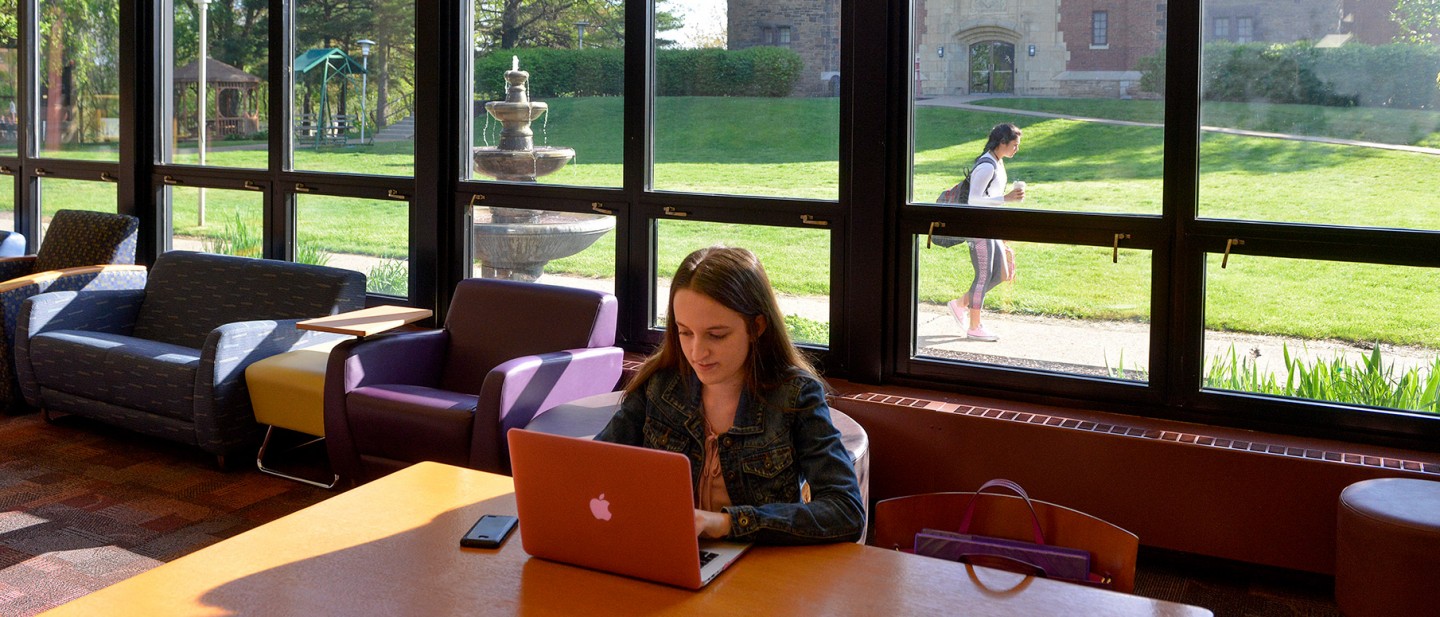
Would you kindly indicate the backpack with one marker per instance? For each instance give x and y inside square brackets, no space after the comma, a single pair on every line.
[958,194]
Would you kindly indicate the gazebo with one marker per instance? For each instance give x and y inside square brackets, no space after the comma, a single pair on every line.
[317,68]
[234,97]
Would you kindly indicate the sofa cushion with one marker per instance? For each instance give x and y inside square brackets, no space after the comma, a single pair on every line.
[122,370]
[189,294]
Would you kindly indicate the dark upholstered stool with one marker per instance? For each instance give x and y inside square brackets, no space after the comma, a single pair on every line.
[1387,554]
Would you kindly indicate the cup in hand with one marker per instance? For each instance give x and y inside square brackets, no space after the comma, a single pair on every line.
[1020,184]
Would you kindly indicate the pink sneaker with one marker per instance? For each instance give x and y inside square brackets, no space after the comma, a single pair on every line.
[981,334]
[958,310]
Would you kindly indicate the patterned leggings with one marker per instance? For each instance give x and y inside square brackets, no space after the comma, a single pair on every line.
[988,259]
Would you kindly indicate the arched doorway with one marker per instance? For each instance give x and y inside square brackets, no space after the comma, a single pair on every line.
[992,67]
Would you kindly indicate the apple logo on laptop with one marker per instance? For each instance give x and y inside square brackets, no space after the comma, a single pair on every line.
[600,508]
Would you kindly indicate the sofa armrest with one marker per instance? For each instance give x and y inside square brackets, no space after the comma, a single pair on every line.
[516,390]
[223,417]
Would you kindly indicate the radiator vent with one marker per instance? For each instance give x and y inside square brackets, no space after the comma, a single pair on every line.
[1144,433]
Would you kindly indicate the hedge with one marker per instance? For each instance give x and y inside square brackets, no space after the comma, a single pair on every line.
[1395,75]
[754,71]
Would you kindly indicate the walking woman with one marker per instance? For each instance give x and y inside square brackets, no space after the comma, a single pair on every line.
[990,257]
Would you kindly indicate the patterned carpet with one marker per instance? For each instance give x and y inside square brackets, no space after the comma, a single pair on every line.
[83,505]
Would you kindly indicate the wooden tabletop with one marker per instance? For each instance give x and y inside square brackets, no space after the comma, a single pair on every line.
[368,321]
[391,547]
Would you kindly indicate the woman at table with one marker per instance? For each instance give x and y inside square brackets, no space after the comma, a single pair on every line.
[729,390]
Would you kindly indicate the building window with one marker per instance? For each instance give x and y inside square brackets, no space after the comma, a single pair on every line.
[1100,28]
[784,35]
[1220,28]
[1244,30]
[767,36]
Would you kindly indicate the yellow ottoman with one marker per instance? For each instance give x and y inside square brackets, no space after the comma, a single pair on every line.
[288,391]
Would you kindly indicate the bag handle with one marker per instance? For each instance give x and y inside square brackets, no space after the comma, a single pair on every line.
[1015,488]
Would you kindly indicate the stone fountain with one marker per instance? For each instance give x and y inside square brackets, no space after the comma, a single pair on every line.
[516,243]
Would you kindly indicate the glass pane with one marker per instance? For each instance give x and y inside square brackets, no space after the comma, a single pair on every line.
[1369,339]
[234,221]
[7,203]
[556,248]
[354,92]
[365,235]
[547,100]
[9,78]
[1041,319]
[1093,116]
[1301,124]
[796,260]
[232,81]
[742,110]
[57,194]
[79,80]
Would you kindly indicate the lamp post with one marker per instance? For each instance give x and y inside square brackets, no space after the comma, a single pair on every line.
[364,83]
[204,6]
[581,26]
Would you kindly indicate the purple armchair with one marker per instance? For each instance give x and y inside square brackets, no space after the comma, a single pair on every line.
[508,351]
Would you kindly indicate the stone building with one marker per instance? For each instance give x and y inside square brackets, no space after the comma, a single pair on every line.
[1087,48]
[810,27]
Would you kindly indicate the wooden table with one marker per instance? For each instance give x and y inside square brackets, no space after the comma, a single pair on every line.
[367,321]
[391,547]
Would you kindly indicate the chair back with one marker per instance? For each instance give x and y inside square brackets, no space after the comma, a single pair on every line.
[83,238]
[492,321]
[188,294]
[1113,550]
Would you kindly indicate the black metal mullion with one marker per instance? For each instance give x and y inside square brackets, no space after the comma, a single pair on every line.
[634,235]
[436,224]
[279,203]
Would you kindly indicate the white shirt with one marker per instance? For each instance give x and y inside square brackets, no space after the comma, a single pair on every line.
[988,172]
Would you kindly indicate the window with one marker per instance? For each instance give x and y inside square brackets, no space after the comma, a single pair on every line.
[353,97]
[1244,30]
[1100,28]
[68,194]
[231,82]
[784,35]
[756,132]
[366,235]
[1041,320]
[78,80]
[1220,28]
[546,101]
[234,225]
[9,83]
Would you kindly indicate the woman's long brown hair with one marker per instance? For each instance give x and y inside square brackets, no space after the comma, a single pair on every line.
[734,278]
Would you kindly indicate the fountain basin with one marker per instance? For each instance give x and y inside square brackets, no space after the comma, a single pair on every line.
[520,165]
[519,251]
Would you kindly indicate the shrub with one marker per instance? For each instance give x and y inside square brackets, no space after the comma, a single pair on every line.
[389,277]
[755,71]
[1395,75]
[1371,381]
[236,239]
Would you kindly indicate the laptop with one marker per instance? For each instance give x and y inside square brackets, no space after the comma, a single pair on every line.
[604,506]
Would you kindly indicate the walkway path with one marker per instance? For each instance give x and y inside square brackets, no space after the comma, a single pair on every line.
[964,102]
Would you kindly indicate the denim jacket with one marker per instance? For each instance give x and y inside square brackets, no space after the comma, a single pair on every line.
[774,444]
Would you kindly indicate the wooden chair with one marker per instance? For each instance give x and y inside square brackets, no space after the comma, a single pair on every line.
[1112,549]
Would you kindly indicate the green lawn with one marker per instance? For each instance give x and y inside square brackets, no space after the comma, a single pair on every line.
[787,148]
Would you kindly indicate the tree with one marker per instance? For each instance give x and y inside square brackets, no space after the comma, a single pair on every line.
[507,24]
[76,59]
[1419,21]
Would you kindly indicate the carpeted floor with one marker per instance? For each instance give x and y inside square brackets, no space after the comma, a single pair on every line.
[83,505]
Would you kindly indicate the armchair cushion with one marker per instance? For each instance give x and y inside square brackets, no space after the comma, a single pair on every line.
[413,422]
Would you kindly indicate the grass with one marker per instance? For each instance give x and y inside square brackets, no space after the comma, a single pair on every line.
[716,145]
[1370,381]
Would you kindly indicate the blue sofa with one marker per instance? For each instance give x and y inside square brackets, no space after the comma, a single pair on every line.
[169,360]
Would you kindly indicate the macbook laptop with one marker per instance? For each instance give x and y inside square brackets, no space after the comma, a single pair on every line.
[605,506]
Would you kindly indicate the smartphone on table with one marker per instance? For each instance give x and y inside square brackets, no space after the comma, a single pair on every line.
[490,531]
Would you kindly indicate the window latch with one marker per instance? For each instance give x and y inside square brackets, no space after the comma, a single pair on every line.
[1115,248]
[929,235]
[1229,243]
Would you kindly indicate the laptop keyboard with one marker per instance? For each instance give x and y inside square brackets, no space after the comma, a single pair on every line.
[706,557]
